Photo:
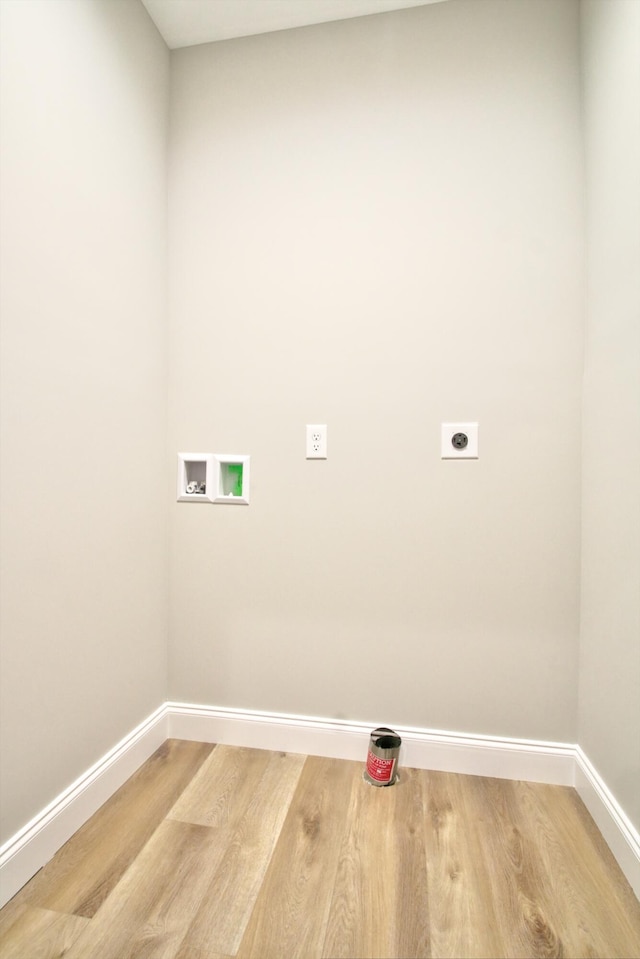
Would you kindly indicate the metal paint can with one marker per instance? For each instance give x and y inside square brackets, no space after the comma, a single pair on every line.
[382,759]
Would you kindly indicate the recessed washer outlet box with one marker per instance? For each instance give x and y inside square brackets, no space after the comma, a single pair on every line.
[231,479]
[195,478]
[459,441]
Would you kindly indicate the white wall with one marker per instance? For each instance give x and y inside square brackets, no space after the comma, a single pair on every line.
[609,729]
[378,224]
[84,532]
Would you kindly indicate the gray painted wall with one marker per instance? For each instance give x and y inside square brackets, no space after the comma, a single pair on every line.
[609,730]
[84,91]
[378,224]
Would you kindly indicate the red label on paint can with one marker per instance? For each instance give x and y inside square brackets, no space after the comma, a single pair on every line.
[380,770]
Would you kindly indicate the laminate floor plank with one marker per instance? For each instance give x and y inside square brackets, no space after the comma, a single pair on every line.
[380,906]
[159,897]
[223,789]
[598,913]
[85,870]
[292,909]
[529,915]
[47,934]
[149,911]
[463,920]
[9,914]
[525,910]
[233,853]
[579,821]
[221,920]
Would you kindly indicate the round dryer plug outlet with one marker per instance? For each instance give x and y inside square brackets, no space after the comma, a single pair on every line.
[459,441]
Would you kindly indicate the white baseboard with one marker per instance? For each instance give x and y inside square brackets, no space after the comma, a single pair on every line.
[554,763]
[34,845]
[621,836]
[344,739]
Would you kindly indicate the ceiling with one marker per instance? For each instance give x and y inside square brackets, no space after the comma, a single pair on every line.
[184,23]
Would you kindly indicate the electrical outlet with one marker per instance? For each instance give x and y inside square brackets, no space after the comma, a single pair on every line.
[459,441]
[317,442]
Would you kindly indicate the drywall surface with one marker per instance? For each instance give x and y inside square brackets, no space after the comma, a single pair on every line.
[378,224]
[84,533]
[610,629]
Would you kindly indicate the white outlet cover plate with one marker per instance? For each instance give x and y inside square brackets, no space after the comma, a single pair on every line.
[448,451]
[317,441]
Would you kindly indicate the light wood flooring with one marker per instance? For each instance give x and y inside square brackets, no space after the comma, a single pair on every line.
[210,852]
